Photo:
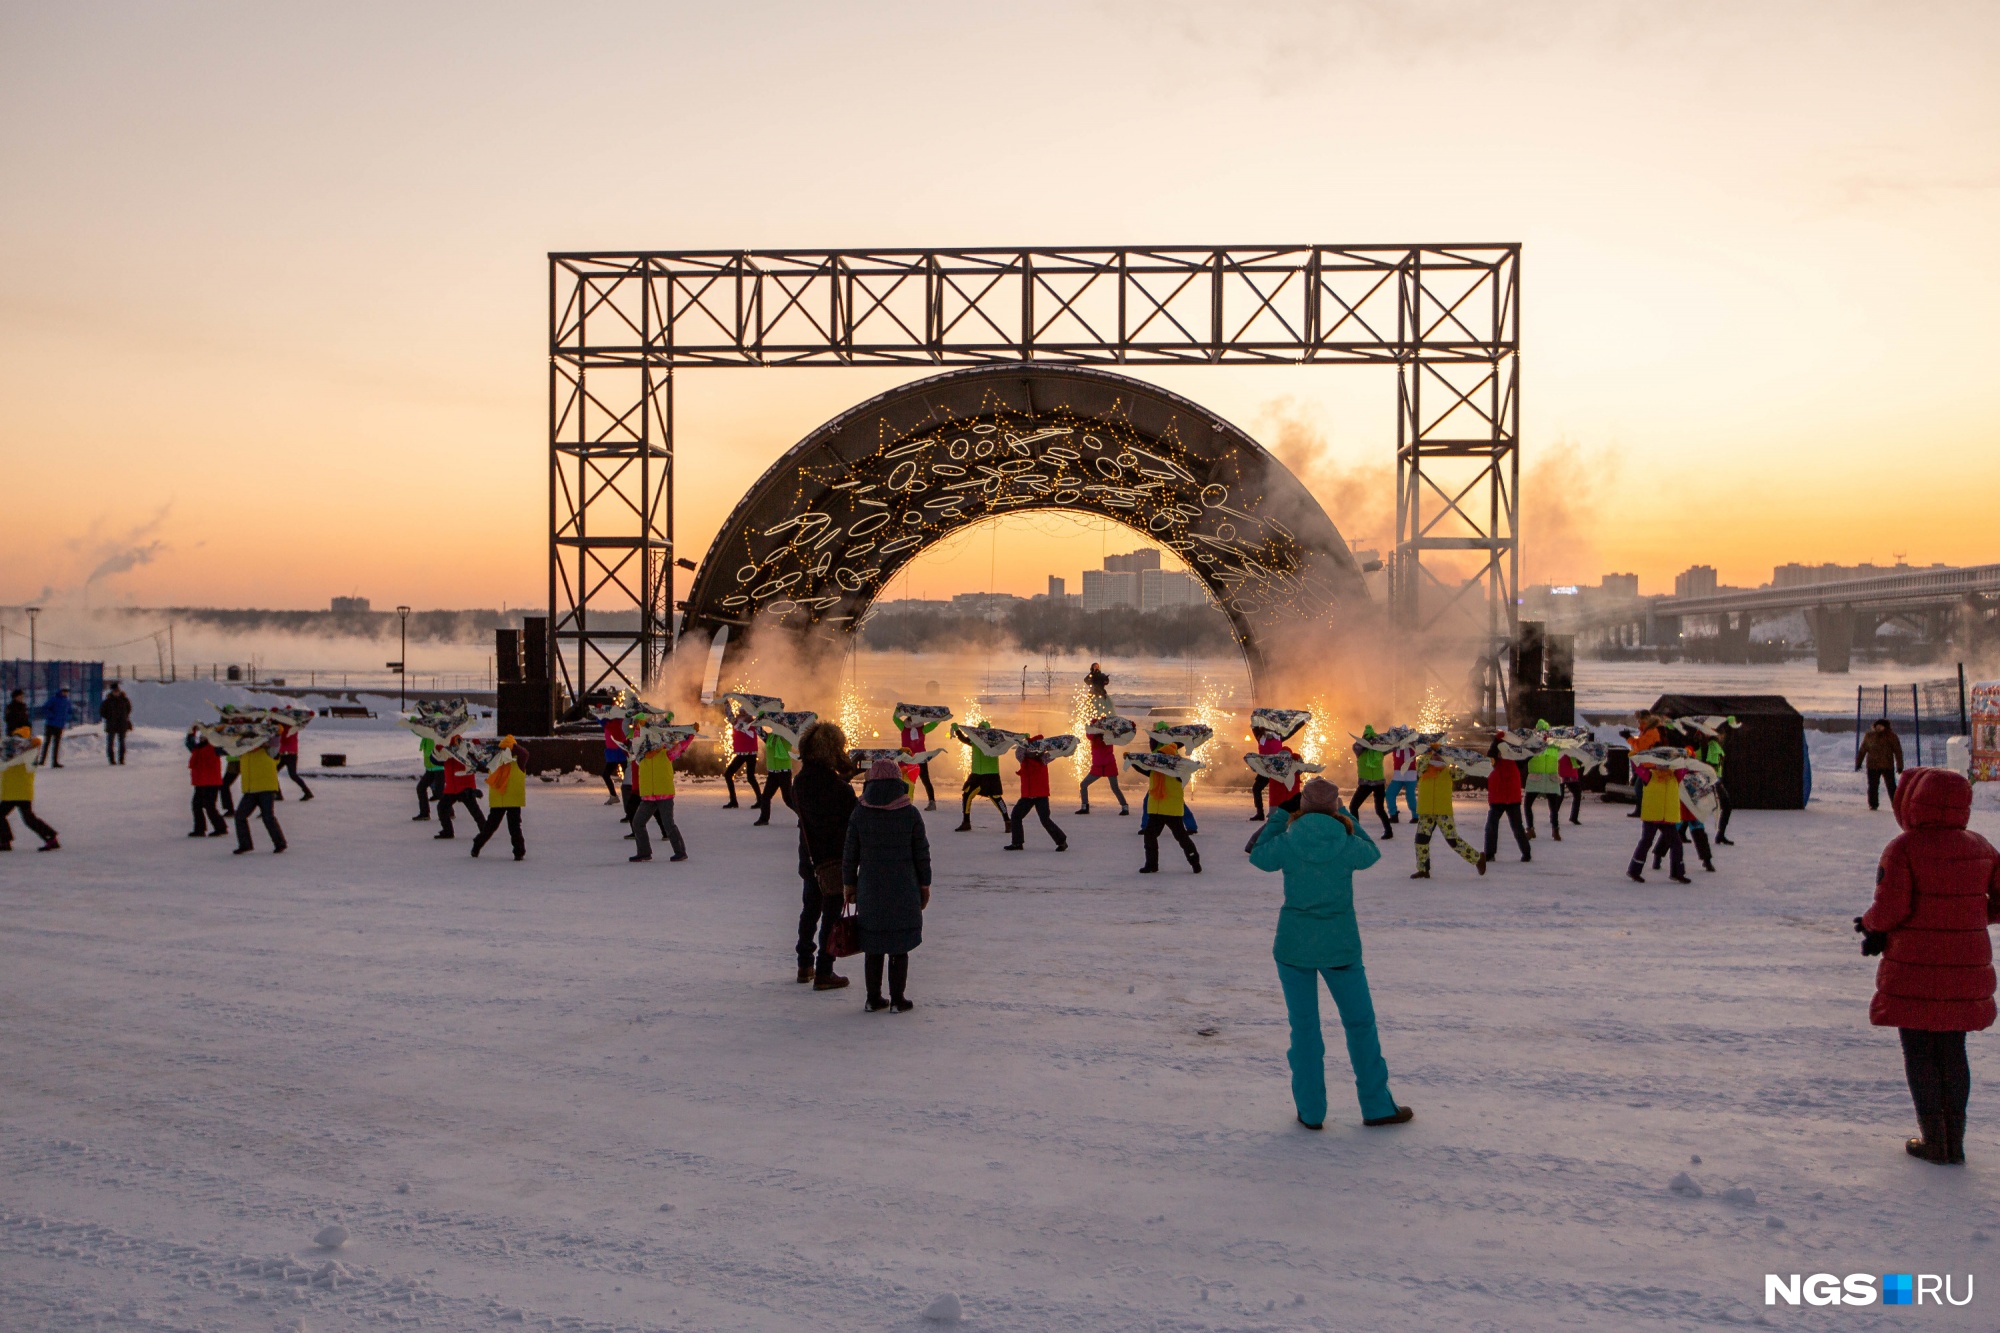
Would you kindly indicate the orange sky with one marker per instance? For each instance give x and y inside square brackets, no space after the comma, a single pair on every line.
[271,312]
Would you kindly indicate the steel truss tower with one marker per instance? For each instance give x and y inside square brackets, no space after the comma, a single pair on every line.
[1447,317]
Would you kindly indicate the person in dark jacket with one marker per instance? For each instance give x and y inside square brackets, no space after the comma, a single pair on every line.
[205,773]
[1319,849]
[18,715]
[886,872]
[824,791]
[1882,751]
[55,720]
[1937,888]
[115,712]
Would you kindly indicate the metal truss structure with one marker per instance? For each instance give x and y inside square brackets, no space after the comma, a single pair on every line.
[1446,317]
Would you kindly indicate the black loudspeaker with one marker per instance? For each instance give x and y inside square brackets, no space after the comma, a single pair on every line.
[507,655]
[1555,707]
[535,647]
[1559,662]
[527,708]
[1529,644]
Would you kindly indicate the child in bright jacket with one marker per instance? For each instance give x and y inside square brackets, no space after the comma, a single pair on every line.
[656,798]
[1435,778]
[1166,810]
[1371,779]
[259,769]
[910,734]
[205,773]
[777,776]
[506,795]
[1034,775]
[17,792]
[1660,808]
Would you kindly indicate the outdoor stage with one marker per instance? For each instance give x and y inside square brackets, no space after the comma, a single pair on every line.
[591,1093]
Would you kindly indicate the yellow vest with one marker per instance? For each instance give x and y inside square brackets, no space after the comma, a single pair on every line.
[507,786]
[1166,796]
[1660,803]
[656,777]
[1434,792]
[260,771]
[17,783]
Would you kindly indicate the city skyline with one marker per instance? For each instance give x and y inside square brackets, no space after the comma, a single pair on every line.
[228,268]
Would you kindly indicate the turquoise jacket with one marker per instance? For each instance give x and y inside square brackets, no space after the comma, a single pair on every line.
[1316,926]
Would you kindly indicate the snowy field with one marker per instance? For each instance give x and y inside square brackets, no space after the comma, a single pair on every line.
[581,1094]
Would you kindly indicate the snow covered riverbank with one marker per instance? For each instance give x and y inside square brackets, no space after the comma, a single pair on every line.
[587,1094]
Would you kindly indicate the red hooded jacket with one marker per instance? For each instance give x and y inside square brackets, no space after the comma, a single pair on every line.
[205,765]
[1936,889]
[1034,777]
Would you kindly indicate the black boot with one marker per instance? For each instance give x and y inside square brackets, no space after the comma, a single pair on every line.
[1954,1139]
[1933,1146]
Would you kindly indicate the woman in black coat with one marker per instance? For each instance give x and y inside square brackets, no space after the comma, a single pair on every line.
[824,793]
[887,874]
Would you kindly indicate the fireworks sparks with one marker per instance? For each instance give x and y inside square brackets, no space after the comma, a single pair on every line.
[1315,741]
[1433,714]
[849,713]
[1084,708]
[1208,710]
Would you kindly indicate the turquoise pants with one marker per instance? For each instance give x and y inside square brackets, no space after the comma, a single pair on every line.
[1403,791]
[1308,1052]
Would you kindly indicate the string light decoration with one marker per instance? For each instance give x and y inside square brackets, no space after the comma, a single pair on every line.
[829,525]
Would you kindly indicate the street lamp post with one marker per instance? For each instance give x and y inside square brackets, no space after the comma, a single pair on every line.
[403,660]
[33,611]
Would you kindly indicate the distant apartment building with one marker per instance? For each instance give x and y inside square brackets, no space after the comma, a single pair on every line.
[1056,586]
[991,605]
[1618,587]
[1136,562]
[1800,576]
[347,604]
[1162,588]
[1695,581]
[1110,589]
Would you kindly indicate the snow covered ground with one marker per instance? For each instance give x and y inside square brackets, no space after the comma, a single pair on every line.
[583,1094]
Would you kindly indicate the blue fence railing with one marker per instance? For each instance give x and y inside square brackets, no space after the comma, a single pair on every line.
[83,680]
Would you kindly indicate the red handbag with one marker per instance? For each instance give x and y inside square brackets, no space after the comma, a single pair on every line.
[844,940]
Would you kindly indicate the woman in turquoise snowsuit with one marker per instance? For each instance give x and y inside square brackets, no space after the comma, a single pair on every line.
[1318,850]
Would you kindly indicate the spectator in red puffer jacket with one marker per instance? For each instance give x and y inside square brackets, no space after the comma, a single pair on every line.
[1936,890]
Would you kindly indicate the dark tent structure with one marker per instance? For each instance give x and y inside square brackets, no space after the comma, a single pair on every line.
[1764,763]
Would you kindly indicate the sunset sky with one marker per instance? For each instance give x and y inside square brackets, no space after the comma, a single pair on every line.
[273,301]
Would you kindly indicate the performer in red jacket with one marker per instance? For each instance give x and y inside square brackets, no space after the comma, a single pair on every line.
[1937,888]
[205,773]
[1504,790]
[461,785]
[1034,796]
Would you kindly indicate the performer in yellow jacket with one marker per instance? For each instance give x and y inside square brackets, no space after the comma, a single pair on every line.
[1435,777]
[260,794]
[17,792]
[506,794]
[656,797]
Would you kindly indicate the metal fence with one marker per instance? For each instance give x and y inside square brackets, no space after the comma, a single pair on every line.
[83,680]
[1924,713]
